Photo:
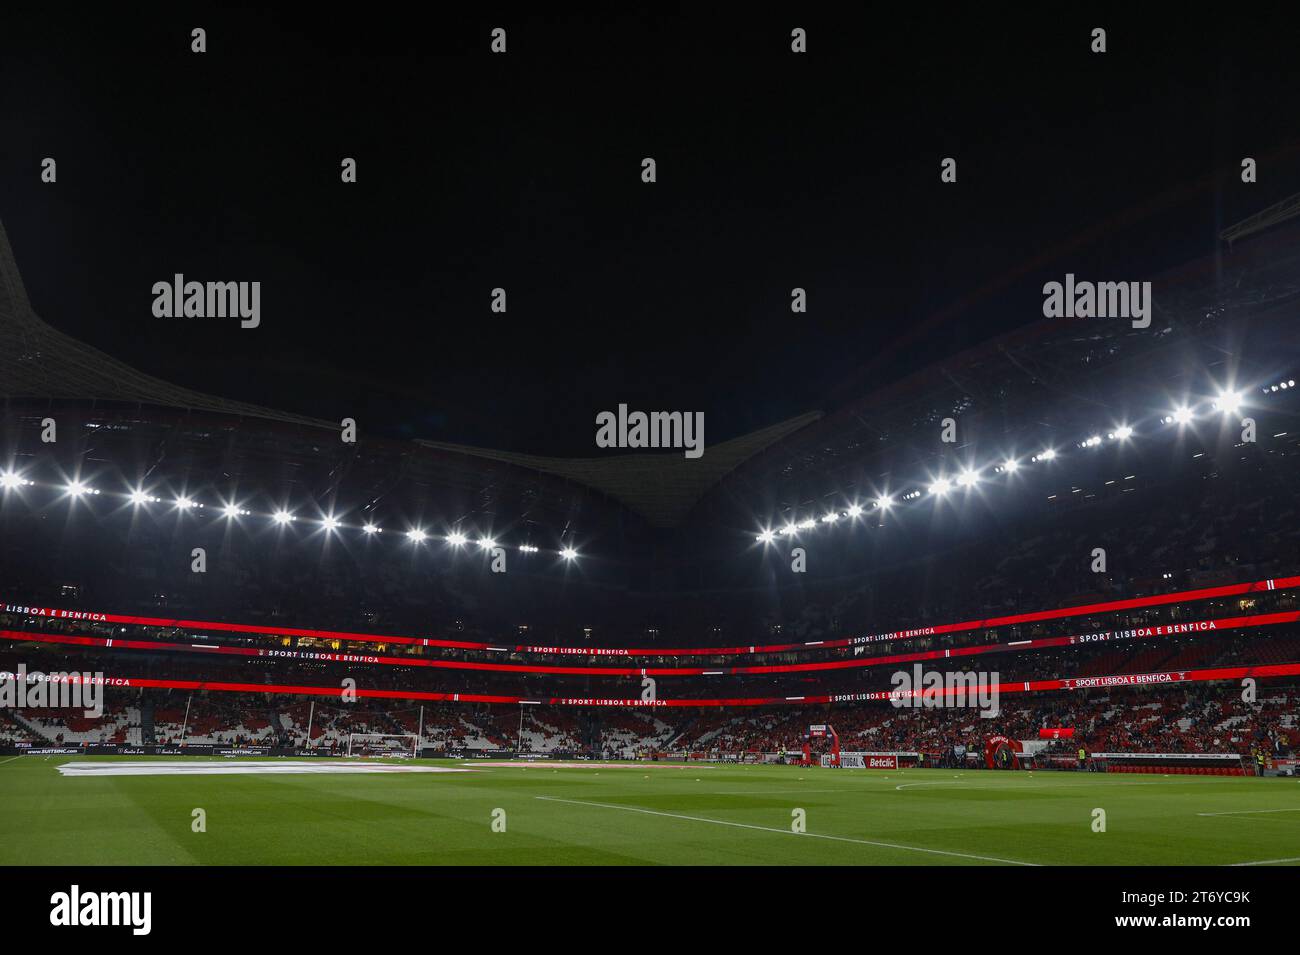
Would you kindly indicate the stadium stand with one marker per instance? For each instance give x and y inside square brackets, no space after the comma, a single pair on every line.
[672,562]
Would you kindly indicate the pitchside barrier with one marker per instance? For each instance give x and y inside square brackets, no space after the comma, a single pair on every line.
[1196,764]
[429,752]
[189,749]
[217,749]
[717,756]
[1193,764]
[893,760]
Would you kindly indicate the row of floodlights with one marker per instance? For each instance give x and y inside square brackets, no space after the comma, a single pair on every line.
[10,480]
[1228,403]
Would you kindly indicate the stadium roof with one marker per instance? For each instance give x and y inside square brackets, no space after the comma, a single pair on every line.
[1019,370]
[38,361]
[662,488]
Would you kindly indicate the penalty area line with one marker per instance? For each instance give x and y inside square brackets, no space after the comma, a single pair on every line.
[786,832]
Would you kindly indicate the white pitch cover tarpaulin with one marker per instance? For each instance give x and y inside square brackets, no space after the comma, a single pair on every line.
[240,767]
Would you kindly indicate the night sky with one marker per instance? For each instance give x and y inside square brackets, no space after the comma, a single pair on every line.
[522,171]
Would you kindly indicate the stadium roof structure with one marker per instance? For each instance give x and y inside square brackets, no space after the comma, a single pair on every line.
[39,361]
[1282,211]
[1224,309]
[662,488]
[788,465]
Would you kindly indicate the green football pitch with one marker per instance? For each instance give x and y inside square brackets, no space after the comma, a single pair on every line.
[62,810]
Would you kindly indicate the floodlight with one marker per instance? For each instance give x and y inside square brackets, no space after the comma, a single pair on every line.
[1229,402]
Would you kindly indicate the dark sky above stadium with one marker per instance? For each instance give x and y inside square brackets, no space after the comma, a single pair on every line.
[522,171]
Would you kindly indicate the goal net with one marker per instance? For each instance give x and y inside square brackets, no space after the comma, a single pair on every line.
[399,745]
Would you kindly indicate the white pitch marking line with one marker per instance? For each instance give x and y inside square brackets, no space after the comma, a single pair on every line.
[1267,862]
[906,785]
[10,759]
[786,832]
[1245,812]
[764,792]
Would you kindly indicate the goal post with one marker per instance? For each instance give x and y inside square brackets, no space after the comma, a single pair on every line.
[397,745]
